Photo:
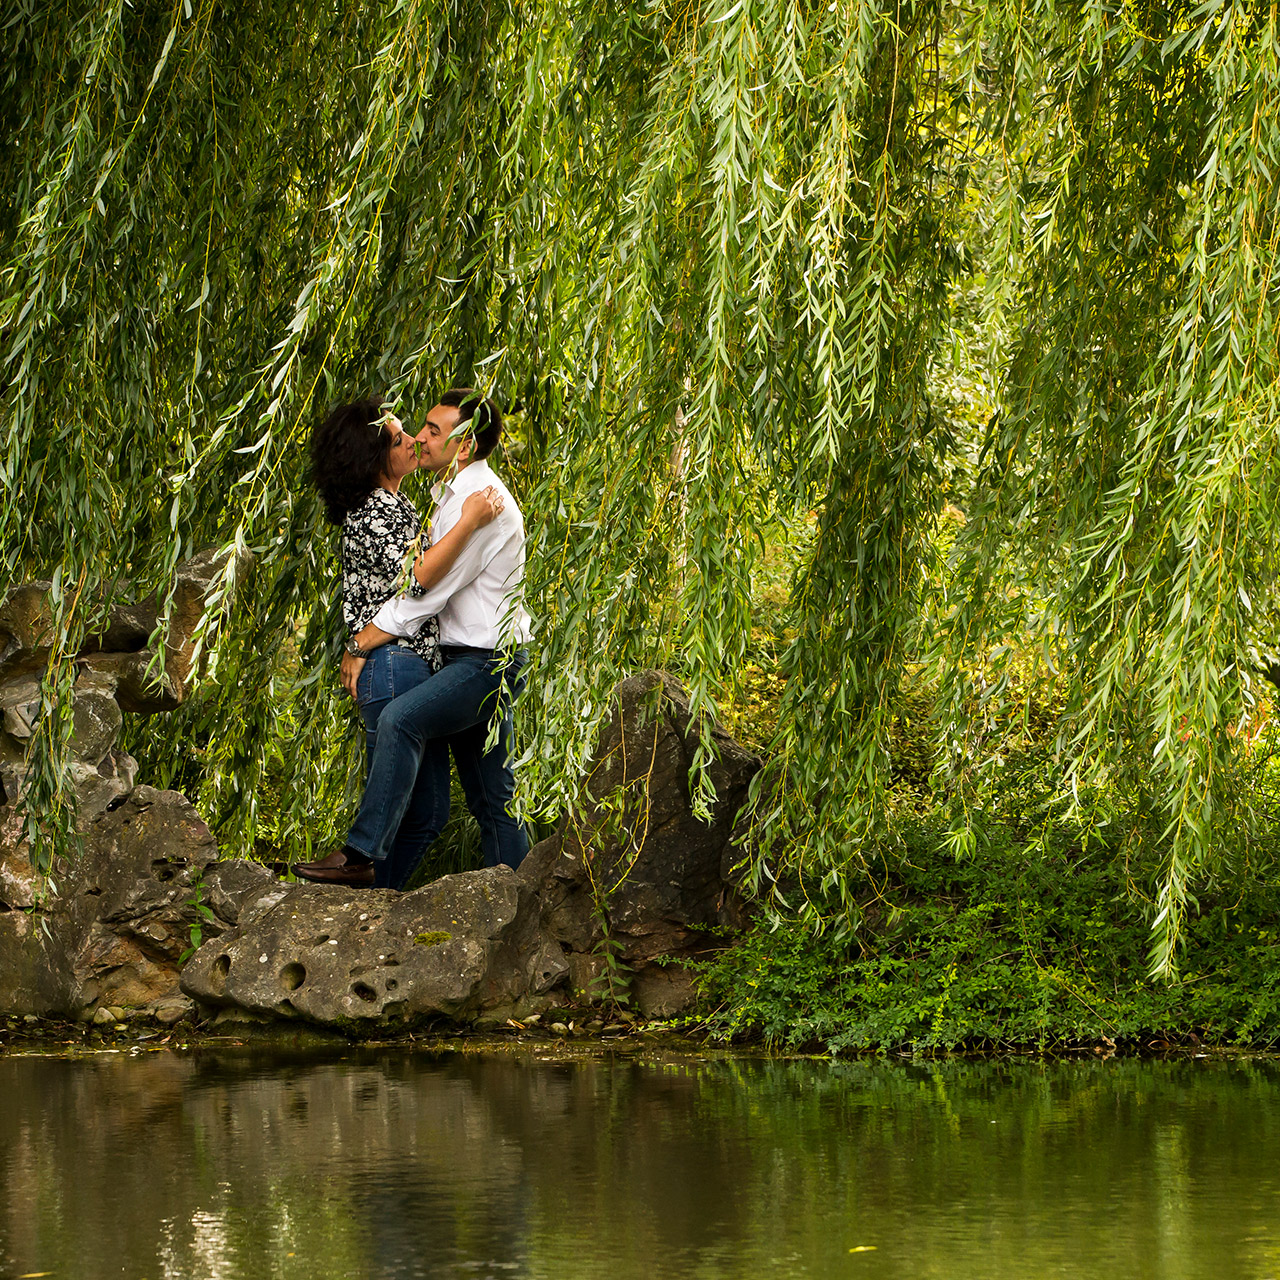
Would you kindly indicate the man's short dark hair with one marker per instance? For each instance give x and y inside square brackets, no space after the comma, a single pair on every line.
[481,412]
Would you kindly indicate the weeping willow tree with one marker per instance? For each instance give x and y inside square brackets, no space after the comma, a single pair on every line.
[721,262]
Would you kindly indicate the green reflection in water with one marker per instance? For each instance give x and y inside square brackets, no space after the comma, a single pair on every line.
[392,1163]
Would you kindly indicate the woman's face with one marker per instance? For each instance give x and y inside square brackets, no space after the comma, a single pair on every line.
[403,456]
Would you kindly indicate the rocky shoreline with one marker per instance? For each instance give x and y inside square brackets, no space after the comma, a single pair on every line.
[568,1031]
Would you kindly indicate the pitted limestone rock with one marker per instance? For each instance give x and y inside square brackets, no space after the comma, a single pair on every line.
[26,629]
[664,875]
[128,903]
[238,891]
[361,958]
[114,930]
[101,786]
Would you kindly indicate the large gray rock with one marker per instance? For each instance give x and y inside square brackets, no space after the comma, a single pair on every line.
[117,671]
[633,876]
[19,707]
[100,787]
[112,927]
[137,684]
[128,630]
[33,963]
[21,885]
[26,629]
[99,775]
[26,620]
[635,871]
[96,720]
[464,945]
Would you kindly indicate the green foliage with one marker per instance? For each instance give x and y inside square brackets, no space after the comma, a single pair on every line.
[612,985]
[1114,466]
[1028,945]
[727,264]
[202,915]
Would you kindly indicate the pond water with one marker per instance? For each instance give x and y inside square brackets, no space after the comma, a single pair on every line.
[398,1163]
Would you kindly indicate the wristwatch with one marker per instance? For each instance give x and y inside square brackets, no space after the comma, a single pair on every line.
[355,650]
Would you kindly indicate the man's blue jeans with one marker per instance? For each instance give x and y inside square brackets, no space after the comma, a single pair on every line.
[408,774]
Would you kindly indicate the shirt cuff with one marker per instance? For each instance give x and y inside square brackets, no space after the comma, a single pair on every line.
[388,619]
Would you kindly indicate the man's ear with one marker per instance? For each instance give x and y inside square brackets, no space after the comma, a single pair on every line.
[463,456]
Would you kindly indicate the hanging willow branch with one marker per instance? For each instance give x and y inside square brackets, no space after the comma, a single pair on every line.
[716,259]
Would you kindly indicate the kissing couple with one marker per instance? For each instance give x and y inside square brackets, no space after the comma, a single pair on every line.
[437,667]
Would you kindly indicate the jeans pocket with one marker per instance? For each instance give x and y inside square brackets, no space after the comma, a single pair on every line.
[405,669]
[516,674]
[374,683]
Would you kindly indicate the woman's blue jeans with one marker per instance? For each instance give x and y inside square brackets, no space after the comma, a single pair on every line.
[390,671]
[406,798]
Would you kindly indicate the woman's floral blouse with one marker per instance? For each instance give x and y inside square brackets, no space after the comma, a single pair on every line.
[376,537]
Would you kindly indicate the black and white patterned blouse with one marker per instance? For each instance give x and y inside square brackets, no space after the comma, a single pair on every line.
[376,538]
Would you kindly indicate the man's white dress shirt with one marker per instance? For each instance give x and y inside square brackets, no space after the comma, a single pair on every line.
[480,600]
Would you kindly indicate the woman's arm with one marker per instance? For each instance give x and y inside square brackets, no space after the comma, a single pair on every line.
[477,511]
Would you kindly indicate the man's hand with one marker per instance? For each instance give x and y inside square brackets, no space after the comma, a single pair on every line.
[351,669]
[369,637]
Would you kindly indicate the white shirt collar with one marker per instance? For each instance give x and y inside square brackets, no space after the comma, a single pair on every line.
[471,479]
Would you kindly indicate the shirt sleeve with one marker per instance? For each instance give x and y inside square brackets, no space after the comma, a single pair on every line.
[405,615]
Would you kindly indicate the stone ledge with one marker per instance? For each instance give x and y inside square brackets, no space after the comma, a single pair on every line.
[468,949]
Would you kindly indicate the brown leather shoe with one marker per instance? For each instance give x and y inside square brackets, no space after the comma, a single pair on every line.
[334,868]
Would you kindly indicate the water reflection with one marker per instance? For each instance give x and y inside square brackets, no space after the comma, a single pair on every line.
[400,1164]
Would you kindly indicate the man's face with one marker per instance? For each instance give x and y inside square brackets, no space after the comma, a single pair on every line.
[436,449]
[403,456]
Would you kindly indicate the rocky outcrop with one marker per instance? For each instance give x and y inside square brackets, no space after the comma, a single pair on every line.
[464,946]
[110,931]
[116,671]
[107,932]
[608,906]
[635,874]
[633,883]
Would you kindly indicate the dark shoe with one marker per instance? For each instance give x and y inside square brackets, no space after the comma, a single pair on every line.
[335,868]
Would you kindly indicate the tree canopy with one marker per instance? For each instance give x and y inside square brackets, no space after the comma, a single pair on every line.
[724,263]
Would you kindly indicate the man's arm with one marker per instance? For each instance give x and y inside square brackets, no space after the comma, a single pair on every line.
[369,637]
[404,615]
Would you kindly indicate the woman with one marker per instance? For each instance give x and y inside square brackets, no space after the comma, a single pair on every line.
[359,455]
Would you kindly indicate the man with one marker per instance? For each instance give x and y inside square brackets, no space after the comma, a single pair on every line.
[482,624]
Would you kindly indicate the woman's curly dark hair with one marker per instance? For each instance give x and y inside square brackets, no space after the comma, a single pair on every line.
[350,451]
